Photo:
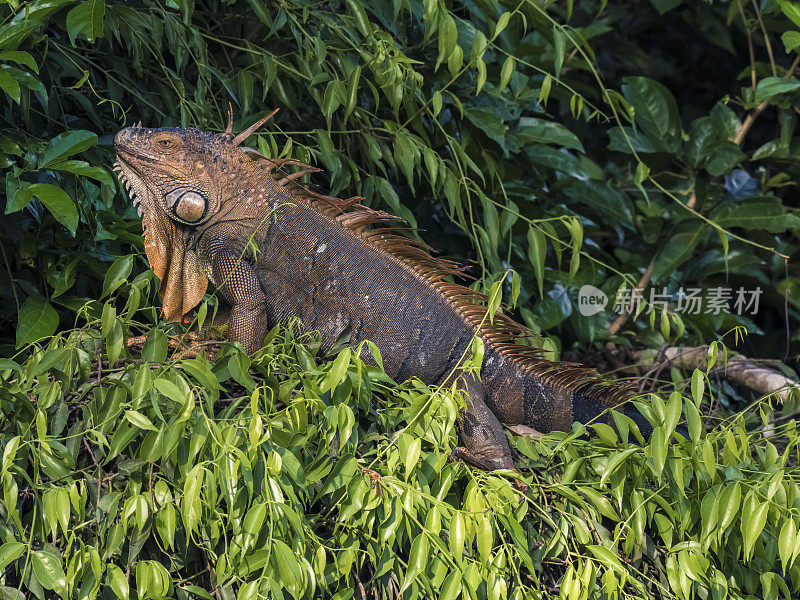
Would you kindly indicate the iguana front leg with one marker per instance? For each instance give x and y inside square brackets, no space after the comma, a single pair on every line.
[238,283]
[485,443]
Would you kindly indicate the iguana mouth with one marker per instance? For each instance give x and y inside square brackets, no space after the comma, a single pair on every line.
[126,172]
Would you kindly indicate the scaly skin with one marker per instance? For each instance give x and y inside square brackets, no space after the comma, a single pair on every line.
[213,211]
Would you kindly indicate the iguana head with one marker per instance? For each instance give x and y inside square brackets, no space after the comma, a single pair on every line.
[175,179]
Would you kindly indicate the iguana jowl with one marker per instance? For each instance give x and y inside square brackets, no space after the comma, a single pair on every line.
[207,203]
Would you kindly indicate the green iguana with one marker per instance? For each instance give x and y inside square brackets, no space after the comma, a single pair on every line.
[216,211]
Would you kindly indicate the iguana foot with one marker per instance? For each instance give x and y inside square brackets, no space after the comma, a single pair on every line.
[185,345]
[487,463]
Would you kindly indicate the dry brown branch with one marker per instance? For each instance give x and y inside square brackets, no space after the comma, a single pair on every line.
[643,283]
[739,369]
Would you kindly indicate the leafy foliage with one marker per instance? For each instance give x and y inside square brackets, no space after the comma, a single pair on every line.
[576,143]
[279,477]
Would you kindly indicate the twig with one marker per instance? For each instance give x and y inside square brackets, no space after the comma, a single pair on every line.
[361,588]
[623,318]
[751,50]
[767,42]
[99,470]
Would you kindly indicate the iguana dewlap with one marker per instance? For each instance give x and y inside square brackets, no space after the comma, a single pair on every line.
[215,211]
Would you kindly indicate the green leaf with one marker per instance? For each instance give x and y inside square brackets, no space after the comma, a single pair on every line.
[547,132]
[10,85]
[752,525]
[677,251]
[451,586]
[481,79]
[495,296]
[65,145]
[768,216]
[80,167]
[724,156]
[770,87]
[37,320]
[506,72]
[436,103]
[791,40]
[658,450]
[139,420]
[362,22]
[694,422]
[502,22]
[488,122]
[53,197]
[537,250]
[642,173]
[698,385]
[115,579]
[288,568]
[787,544]
[558,50]
[352,91]
[191,508]
[9,552]
[729,505]
[544,92]
[448,37]
[49,571]
[615,462]
[576,233]
[628,140]
[791,10]
[337,371]
[608,558]
[155,348]
[117,274]
[21,58]
[672,414]
[418,558]
[656,111]
[12,34]
[86,19]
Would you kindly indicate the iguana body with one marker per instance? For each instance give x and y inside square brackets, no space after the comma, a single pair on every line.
[213,210]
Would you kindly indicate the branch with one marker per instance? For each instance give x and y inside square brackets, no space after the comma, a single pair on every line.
[739,369]
[623,317]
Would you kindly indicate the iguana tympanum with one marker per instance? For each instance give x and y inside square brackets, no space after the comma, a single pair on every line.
[216,211]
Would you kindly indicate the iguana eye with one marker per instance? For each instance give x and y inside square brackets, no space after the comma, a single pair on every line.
[166,144]
[187,206]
